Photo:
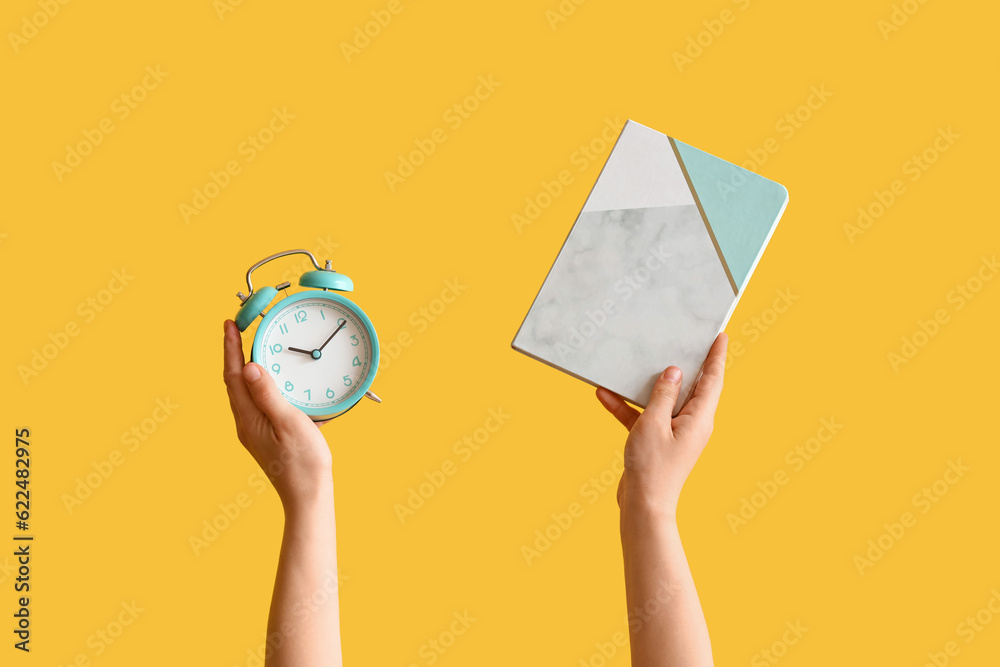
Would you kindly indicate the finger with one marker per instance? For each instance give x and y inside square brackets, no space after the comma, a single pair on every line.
[664,395]
[266,396]
[617,406]
[232,373]
[705,397]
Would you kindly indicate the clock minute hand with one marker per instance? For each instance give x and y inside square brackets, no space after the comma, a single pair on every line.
[331,336]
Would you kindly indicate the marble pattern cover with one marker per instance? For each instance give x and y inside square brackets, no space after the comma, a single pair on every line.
[653,267]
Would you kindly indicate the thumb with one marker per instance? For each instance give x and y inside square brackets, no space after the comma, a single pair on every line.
[265,394]
[664,395]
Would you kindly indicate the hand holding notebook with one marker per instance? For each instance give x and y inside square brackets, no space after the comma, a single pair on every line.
[653,267]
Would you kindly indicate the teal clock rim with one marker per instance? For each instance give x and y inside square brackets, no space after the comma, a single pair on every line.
[366,383]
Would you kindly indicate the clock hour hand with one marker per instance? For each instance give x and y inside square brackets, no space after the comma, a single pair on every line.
[331,335]
[295,349]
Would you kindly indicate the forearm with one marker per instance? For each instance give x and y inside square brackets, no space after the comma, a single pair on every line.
[303,627]
[666,624]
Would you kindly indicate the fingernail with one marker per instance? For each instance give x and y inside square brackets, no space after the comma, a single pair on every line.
[251,372]
[672,374]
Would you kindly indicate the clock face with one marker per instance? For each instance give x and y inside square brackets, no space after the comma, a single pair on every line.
[319,352]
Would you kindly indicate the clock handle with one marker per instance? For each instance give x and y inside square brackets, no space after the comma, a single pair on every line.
[276,256]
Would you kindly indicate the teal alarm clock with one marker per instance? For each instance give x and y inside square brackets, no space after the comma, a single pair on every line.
[319,346]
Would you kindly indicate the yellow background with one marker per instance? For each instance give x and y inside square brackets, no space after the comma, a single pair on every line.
[322,180]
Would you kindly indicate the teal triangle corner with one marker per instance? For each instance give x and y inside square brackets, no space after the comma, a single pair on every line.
[742,207]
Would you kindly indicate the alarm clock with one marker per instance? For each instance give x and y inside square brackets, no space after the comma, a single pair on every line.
[318,346]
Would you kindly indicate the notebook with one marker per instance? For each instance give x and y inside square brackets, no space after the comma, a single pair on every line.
[653,267]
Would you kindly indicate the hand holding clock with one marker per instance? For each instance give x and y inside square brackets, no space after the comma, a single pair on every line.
[284,441]
[292,452]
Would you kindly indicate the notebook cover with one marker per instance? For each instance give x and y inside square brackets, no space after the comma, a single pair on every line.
[653,267]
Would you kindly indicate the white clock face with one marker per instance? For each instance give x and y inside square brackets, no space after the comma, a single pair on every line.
[318,352]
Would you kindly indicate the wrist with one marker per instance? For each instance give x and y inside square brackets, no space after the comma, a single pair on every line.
[641,502]
[641,528]
[308,496]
